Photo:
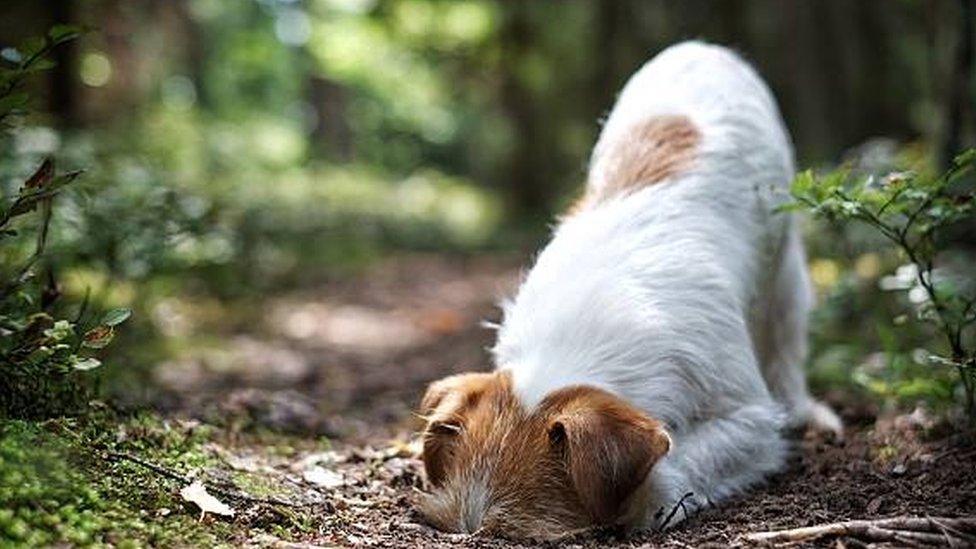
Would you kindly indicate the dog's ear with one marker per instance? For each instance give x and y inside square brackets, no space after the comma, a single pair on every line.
[443,408]
[607,446]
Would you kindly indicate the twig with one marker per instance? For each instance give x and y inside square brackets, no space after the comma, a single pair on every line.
[158,469]
[951,532]
[913,531]
[173,475]
[674,510]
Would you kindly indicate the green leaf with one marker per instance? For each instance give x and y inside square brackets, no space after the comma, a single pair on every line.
[85,364]
[789,207]
[31,47]
[39,65]
[13,102]
[61,329]
[116,316]
[62,33]
[802,184]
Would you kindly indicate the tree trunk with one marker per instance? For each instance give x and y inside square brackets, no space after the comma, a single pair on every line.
[63,99]
[961,93]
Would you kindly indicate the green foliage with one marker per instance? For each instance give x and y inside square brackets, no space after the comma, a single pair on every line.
[913,212]
[44,355]
[24,61]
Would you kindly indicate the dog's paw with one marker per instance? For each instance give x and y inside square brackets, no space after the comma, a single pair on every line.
[821,418]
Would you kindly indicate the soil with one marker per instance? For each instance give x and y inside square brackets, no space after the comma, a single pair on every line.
[350,359]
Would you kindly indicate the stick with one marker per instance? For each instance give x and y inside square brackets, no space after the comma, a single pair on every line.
[908,530]
[173,475]
[674,510]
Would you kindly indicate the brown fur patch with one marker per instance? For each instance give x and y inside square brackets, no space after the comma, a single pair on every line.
[610,446]
[572,462]
[649,152]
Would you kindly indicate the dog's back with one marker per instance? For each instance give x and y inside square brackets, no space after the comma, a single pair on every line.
[671,248]
[700,88]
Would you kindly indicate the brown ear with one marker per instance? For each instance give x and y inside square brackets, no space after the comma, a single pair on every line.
[453,392]
[443,407]
[608,446]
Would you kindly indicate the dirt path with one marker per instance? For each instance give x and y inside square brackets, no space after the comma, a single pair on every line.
[350,359]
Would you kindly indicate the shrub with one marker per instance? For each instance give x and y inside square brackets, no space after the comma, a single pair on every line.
[44,355]
[913,211]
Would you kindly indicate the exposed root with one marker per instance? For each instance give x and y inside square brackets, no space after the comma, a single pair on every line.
[909,531]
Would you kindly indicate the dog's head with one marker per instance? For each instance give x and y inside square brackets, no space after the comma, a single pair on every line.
[579,459]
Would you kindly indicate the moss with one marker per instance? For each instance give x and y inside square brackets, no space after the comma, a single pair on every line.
[57,485]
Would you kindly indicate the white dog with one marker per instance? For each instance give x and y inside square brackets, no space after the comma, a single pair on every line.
[656,347]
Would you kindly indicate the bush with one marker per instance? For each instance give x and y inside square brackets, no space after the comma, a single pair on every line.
[44,355]
[914,211]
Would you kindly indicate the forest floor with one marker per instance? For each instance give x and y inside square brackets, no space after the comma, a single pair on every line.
[304,426]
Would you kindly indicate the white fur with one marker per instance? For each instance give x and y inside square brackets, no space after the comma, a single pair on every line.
[688,298]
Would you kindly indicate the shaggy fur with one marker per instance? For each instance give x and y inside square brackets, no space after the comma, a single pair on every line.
[673,292]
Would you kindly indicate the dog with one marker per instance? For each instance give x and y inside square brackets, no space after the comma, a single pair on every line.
[652,358]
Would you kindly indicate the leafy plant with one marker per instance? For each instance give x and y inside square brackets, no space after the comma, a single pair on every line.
[913,211]
[43,357]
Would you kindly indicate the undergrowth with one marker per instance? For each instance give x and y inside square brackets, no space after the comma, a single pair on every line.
[59,484]
[915,212]
[46,351]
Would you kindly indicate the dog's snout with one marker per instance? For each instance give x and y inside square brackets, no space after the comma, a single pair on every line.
[460,507]
[474,505]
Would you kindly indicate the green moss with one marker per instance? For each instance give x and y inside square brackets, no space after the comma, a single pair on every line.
[58,485]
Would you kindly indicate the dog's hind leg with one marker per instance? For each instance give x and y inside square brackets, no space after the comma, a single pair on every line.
[782,342]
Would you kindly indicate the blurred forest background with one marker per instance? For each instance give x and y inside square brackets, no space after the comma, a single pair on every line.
[235,149]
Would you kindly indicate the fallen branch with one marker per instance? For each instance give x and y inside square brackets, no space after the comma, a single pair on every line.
[185,480]
[913,531]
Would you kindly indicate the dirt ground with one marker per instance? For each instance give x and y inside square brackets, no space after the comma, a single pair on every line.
[350,359]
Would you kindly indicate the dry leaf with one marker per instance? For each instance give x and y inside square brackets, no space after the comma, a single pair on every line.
[400,448]
[98,337]
[197,493]
[42,176]
[323,477]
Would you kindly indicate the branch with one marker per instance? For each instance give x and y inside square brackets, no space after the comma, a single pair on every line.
[911,531]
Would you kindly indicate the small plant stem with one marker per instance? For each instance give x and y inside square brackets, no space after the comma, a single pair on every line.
[923,272]
[953,333]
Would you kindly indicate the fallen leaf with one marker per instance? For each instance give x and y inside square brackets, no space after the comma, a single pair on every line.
[327,458]
[196,493]
[403,448]
[323,477]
